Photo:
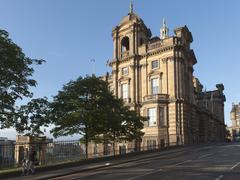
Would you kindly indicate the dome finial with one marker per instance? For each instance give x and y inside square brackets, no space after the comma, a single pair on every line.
[131,7]
[164,31]
[164,23]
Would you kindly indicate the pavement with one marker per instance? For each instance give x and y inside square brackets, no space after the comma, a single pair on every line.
[215,161]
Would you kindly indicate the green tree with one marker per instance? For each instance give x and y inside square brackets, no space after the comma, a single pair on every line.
[15,78]
[132,126]
[122,124]
[113,124]
[77,109]
[32,117]
[87,107]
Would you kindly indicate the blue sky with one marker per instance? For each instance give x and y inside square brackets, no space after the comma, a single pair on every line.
[68,34]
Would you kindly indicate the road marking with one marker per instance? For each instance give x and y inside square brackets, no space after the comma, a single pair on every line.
[235,165]
[205,155]
[181,163]
[219,177]
[135,177]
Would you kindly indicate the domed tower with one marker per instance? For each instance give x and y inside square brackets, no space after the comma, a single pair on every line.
[128,36]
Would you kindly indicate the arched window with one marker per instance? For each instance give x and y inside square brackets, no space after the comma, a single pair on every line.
[125,44]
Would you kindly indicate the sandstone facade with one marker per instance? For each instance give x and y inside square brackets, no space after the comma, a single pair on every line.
[235,117]
[154,75]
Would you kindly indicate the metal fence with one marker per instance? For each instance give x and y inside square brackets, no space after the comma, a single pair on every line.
[49,153]
[46,153]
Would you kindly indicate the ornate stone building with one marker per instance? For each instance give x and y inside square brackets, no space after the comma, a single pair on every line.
[235,117]
[154,75]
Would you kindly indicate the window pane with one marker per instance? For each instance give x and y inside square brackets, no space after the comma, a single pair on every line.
[155,86]
[162,116]
[154,64]
[124,71]
[152,117]
[124,91]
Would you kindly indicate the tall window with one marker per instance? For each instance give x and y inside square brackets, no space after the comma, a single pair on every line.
[152,115]
[154,64]
[124,71]
[155,85]
[151,144]
[162,116]
[125,91]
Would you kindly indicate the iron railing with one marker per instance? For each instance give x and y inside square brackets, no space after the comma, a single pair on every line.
[50,153]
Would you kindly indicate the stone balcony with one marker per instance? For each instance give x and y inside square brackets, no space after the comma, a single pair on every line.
[156,98]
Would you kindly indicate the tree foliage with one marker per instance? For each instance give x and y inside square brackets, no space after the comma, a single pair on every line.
[87,107]
[122,124]
[33,116]
[77,108]
[15,77]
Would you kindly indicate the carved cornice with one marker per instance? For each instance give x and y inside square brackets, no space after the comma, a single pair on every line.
[164,60]
[154,73]
[170,58]
[159,51]
[112,62]
[127,58]
[131,66]
[122,79]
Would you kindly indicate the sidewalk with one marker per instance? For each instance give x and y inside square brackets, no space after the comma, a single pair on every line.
[48,174]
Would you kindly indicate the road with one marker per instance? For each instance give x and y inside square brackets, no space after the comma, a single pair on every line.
[213,162]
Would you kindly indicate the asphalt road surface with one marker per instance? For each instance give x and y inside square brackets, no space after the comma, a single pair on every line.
[213,162]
